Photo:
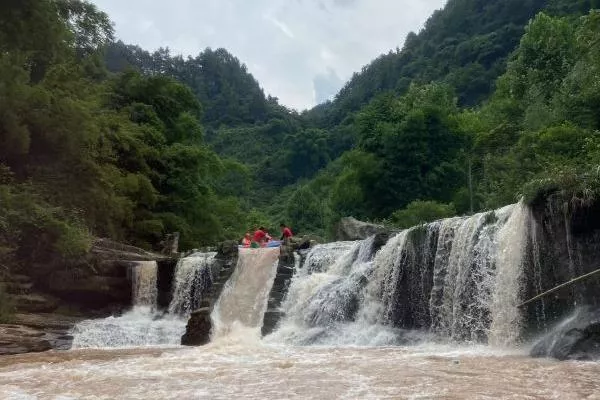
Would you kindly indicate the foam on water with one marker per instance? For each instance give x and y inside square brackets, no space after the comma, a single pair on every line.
[458,279]
[140,327]
[144,325]
[265,372]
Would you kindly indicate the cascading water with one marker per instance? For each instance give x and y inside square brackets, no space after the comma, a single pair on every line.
[243,301]
[144,290]
[331,306]
[144,325]
[459,279]
[193,277]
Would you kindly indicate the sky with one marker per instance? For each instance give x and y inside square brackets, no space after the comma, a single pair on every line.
[300,51]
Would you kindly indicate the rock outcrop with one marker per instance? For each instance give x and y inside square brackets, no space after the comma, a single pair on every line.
[36,332]
[285,272]
[576,338]
[565,244]
[50,300]
[350,228]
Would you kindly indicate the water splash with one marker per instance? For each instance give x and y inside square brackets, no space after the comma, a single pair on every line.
[140,327]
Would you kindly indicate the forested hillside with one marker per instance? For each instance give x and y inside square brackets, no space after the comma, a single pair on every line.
[274,145]
[100,138]
[85,153]
[417,123]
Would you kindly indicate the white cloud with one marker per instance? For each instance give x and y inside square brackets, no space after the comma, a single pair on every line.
[289,45]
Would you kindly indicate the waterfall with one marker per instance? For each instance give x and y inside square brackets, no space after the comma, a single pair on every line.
[460,279]
[193,278]
[144,290]
[508,291]
[144,325]
[332,306]
[243,301]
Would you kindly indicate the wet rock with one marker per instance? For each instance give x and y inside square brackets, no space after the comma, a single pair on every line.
[18,339]
[197,331]
[227,249]
[35,303]
[285,272]
[82,287]
[350,228]
[576,338]
[48,322]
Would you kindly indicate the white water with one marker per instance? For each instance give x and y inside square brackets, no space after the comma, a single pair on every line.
[460,279]
[243,301]
[507,318]
[328,307]
[139,327]
[144,325]
[193,276]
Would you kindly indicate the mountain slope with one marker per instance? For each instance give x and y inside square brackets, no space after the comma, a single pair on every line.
[466,44]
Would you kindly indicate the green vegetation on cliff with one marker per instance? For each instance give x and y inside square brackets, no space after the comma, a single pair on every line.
[84,152]
[99,138]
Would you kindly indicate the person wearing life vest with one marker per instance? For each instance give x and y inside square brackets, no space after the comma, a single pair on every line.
[286,234]
[259,239]
[247,240]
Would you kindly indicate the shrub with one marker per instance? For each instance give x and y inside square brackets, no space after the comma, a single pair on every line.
[420,212]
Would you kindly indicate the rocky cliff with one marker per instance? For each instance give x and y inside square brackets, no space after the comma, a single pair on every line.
[565,244]
[47,301]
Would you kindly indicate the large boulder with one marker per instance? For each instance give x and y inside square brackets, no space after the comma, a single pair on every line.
[575,338]
[197,331]
[350,228]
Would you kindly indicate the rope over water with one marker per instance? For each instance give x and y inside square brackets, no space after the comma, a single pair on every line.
[572,281]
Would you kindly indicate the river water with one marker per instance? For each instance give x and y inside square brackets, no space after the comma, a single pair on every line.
[226,370]
[430,315]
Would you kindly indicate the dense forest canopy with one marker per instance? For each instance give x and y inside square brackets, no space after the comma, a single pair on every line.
[491,101]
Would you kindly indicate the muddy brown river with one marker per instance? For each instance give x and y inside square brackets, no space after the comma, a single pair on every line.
[243,371]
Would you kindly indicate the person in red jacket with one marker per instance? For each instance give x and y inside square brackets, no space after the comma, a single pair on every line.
[259,237]
[286,234]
